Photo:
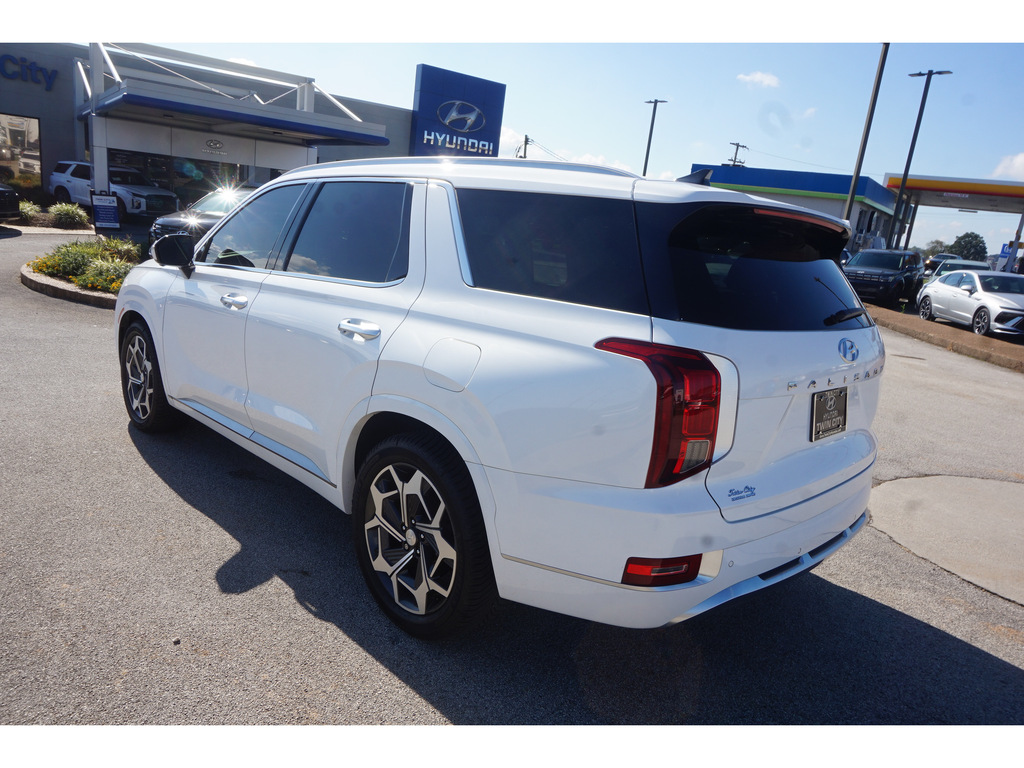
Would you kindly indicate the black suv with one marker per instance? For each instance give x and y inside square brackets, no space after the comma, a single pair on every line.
[885,277]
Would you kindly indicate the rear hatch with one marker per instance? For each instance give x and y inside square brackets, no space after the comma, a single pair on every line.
[758,290]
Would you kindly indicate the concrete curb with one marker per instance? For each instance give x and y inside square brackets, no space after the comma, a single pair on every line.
[1001,352]
[61,289]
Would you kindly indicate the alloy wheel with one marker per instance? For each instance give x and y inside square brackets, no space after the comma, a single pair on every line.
[410,540]
[138,386]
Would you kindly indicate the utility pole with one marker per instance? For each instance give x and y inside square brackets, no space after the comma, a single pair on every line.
[899,214]
[650,135]
[848,208]
[736,153]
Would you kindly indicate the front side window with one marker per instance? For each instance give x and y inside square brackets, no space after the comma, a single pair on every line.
[249,237]
[967,281]
[569,248]
[81,172]
[356,230]
[737,266]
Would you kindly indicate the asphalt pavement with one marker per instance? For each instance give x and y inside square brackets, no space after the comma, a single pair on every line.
[926,515]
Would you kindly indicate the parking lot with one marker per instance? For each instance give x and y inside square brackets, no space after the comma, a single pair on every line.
[177,580]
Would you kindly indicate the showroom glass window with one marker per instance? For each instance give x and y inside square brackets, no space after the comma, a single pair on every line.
[356,230]
[249,237]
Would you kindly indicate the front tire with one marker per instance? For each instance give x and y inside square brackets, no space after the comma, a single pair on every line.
[982,322]
[141,384]
[420,538]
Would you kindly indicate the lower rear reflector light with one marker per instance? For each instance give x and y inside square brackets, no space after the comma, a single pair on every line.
[658,572]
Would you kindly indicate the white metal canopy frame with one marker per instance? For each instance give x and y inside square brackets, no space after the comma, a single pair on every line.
[138,83]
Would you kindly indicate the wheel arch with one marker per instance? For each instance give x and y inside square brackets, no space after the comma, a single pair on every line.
[391,415]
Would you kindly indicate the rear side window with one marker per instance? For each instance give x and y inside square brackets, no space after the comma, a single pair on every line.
[356,230]
[565,247]
[61,167]
[738,266]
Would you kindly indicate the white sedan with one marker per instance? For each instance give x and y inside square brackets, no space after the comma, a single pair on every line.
[987,301]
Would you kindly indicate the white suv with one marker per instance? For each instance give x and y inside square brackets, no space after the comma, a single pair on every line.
[71,182]
[621,399]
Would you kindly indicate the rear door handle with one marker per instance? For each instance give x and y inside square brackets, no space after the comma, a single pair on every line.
[359,329]
[234,301]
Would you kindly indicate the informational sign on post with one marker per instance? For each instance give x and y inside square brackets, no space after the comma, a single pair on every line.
[104,211]
[1006,257]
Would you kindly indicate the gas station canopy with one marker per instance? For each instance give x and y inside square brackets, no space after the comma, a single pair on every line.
[968,194]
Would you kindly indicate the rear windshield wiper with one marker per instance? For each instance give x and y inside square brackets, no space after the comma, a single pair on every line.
[845,314]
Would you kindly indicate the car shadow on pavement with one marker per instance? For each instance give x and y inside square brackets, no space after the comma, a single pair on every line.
[804,652]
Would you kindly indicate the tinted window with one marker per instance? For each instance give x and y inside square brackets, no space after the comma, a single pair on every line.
[248,238]
[949,279]
[577,249]
[877,260]
[81,172]
[61,167]
[356,231]
[129,177]
[739,267]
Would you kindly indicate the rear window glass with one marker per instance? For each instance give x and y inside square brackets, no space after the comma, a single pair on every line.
[737,266]
[565,247]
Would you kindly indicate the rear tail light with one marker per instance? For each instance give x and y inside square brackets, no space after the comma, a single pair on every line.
[688,400]
[647,572]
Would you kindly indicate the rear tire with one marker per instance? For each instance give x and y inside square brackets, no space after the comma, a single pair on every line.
[924,309]
[420,538]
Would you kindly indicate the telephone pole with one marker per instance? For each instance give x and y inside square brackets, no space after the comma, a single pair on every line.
[650,135]
[735,154]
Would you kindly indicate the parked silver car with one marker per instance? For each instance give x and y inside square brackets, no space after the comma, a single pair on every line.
[986,300]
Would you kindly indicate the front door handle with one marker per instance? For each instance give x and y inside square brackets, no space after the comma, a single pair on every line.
[234,301]
[359,329]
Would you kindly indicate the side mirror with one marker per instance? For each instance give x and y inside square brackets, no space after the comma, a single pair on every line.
[175,251]
[928,273]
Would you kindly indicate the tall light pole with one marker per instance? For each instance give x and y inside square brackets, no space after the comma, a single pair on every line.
[650,135]
[893,228]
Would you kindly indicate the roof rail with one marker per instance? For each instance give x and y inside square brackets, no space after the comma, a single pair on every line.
[501,161]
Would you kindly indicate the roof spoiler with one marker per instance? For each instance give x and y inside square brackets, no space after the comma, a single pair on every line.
[702,176]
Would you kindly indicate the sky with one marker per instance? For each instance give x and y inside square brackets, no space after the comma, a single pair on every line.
[578,79]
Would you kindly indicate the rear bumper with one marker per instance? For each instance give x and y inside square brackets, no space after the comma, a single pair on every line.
[827,523]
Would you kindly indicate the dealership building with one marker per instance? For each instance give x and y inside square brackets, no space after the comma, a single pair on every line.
[192,123]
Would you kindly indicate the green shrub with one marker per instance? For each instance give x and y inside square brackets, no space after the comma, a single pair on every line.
[103,274]
[121,248]
[68,259]
[28,210]
[96,265]
[69,216]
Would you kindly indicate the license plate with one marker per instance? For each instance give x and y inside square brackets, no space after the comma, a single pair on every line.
[828,415]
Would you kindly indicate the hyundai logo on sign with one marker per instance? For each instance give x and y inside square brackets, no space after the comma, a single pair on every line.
[215,144]
[455,114]
[461,116]
[848,350]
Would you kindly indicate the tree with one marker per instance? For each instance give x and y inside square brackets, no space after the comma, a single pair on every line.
[934,247]
[970,246]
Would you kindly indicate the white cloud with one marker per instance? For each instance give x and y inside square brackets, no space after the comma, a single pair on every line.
[763,79]
[1011,167]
